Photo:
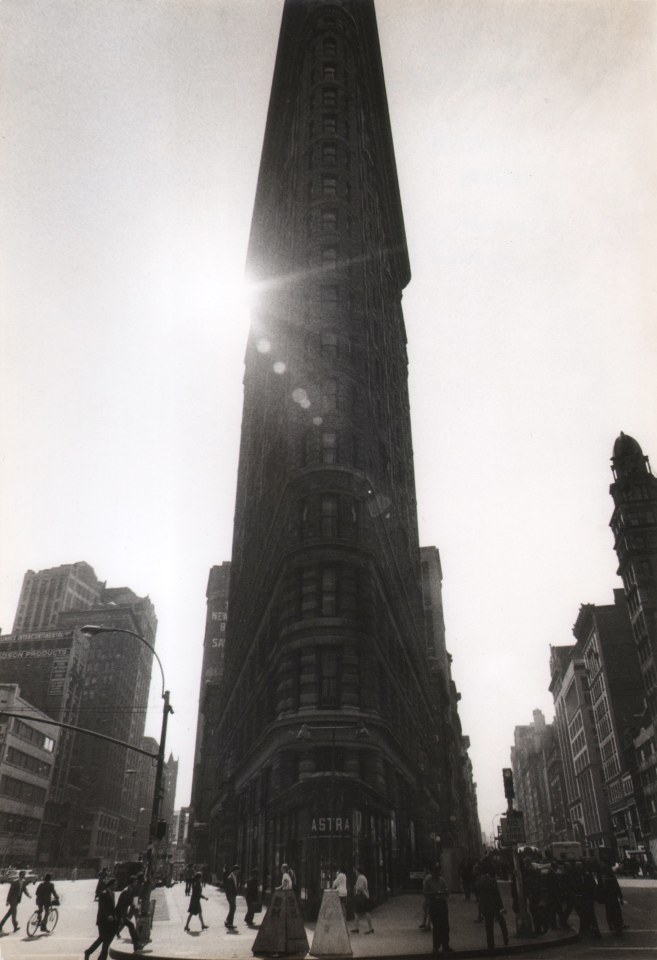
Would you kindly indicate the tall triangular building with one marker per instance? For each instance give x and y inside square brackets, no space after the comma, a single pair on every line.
[327,732]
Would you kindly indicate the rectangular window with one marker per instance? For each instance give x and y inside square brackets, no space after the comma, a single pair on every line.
[329,258]
[329,123]
[329,153]
[329,677]
[329,447]
[329,345]
[329,592]
[329,185]
[329,219]
[330,515]
[329,396]
[328,71]
[329,97]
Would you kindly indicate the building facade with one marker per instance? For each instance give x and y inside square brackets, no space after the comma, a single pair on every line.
[27,752]
[326,721]
[538,780]
[459,830]
[99,683]
[585,800]
[49,666]
[634,526]
[605,637]
[212,670]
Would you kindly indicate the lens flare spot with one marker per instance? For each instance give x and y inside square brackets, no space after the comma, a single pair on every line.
[279,367]
[318,421]
[263,345]
[301,397]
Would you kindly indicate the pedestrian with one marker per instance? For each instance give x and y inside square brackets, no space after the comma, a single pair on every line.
[612,898]
[189,876]
[535,901]
[17,888]
[553,893]
[230,889]
[438,894]
[44,895]
[252,897]
[492,908]
[286,878]
[102,880]
[466,874]
[105,920]
[586,890]
[74,874]
[194,908]
[125,909]
[362,901]
[340,884]
[426,922]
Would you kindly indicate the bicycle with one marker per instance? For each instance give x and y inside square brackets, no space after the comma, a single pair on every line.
[34,924]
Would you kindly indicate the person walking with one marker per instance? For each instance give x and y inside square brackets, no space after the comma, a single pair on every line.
[286,878]
[44,895]
[612,899]
[586,890]
[124,911]
[466,874]
[362,901]
[492,908]
[252,897]
[189,876]
[438,893]
[102,880]
[194,908]
[426,922]
[553,896]
[340,884]
[105,921]
[17,888]
[230,889]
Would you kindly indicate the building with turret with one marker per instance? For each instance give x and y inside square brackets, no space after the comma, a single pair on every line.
[634,526]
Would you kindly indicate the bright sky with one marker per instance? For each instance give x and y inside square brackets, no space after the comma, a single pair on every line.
[525,136]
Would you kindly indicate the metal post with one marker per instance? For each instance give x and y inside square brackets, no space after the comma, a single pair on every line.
[158,792]
[524,927]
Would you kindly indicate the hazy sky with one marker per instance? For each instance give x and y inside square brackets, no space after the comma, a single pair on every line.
[525,136]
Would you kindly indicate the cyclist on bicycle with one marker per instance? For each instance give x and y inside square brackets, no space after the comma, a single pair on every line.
[45,896]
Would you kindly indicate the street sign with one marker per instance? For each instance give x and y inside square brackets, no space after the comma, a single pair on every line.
[512,829]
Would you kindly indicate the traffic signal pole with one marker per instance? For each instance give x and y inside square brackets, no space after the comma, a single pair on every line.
[524,925]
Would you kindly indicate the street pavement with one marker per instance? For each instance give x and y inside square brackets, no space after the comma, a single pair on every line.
[396,928]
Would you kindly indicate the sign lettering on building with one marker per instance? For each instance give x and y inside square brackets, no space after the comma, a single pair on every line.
[330,826]
[32,654]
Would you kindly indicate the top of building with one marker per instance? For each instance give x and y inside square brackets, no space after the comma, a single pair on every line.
[626,445]
[628,459]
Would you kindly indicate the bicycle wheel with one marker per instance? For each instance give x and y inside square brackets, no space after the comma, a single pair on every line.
[51,919]
[33,924]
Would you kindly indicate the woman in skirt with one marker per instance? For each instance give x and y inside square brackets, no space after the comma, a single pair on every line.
[194,908]
[362,901]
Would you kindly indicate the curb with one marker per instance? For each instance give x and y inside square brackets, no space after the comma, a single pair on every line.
[510,950]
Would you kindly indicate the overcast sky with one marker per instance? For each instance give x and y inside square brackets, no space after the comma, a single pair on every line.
[525,137]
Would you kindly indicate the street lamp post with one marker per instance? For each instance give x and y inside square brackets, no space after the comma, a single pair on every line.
[91,630]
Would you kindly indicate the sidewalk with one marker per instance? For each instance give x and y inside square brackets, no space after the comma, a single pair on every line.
[396,930]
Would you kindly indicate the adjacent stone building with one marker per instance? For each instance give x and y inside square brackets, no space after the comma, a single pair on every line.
[99,683]
[634,526]
[27,752]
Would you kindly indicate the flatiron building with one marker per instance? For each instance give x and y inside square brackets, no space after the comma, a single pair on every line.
[327,728]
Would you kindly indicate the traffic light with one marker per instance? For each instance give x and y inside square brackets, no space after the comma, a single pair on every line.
[507,777]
